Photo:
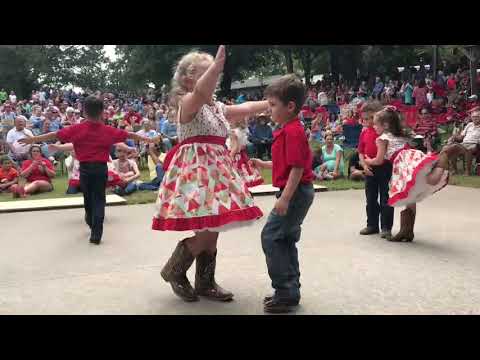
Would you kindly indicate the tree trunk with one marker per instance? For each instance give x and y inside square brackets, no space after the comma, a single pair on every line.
[307,67]
[288,60]
[226,83]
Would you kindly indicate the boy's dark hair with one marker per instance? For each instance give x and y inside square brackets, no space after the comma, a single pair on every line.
[371,106]
[288,88]
[93,107]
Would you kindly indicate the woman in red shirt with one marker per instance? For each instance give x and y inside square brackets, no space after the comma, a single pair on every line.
[39,173]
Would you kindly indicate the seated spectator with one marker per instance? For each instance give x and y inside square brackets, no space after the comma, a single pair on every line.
[18,152]
[349,118]
[39,173]
[427,127]
[117,118]
[261,136]
[8,175]
[155,165]
[355,170]
[169,132]
[128,171]
[69,117]
[466,143]
[7,120]
[333,158]
[36,120]
[146,131]
[132,117]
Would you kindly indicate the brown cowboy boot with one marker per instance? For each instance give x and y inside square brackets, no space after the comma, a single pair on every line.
[410,226]
[401,235]
[205,284]
[175,272]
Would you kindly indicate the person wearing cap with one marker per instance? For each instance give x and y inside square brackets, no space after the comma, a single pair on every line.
[261,136]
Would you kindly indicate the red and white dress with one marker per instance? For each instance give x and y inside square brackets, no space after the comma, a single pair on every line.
[408,184]
[202,189]
[243,164]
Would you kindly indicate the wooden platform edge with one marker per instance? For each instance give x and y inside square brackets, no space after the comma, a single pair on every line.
[55,207]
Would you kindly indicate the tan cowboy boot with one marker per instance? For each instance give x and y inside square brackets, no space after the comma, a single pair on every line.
[205,284]
[175,272]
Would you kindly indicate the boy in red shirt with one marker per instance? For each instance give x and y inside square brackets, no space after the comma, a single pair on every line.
[377,178]
[8,175]
[92,140]
[291,172]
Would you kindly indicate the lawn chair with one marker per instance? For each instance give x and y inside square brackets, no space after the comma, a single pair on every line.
[351,135]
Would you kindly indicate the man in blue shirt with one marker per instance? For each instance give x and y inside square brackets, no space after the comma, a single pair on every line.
[262,136]
[378,89]
[169,130]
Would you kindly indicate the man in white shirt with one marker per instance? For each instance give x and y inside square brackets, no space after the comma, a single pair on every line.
[18,152]
[469,141]
[13,98]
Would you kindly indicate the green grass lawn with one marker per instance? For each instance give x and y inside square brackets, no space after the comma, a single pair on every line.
[146,197]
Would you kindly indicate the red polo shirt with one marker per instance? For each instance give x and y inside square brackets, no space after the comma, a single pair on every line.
[290,149]
[367,142]
[92,140]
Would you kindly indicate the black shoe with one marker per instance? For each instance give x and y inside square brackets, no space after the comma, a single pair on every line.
[288,302]
[369,231]
[275,306]
[95,241]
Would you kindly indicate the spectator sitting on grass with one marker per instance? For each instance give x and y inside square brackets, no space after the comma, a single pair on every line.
[355,170]
[8,175]
[39,173]
[146,131]
[155,165]
[128,171]
[333,158]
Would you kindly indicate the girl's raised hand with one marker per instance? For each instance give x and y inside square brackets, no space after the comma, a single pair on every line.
[221,55]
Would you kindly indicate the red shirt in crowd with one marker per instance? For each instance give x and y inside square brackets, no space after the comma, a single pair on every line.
[290,149]
[367,144]
[92,140]
[8,175]
[438,90]
[451,84]
[36,174]
[133,118]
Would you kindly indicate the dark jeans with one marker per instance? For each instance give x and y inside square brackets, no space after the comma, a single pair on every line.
[93,181]
[263,149]
[155,183]
[73,190]
[279,238]
[378,185]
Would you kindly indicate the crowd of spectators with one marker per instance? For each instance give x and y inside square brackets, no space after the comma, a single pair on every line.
[331,116]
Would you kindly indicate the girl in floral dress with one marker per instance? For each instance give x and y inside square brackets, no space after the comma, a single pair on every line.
[416,175]
[202,191]
[237,144]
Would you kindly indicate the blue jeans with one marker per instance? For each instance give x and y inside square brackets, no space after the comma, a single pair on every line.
[279,238]
[155,183]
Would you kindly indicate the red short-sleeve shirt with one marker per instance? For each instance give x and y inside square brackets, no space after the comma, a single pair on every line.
[36,174]
[8,175]
[92,140]
[367,142]
[290,149]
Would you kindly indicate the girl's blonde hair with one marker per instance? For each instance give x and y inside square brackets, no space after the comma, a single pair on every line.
[185,69]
